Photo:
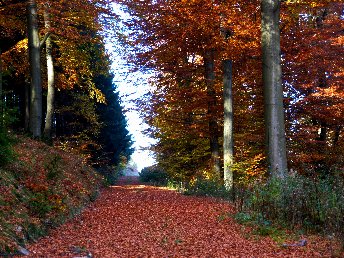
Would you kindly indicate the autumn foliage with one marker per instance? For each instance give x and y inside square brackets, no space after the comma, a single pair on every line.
[172,39]
[183,44]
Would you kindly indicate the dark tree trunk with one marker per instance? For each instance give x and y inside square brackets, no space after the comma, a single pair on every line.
[213,126]
[35,72]
[273,91]
[228,141]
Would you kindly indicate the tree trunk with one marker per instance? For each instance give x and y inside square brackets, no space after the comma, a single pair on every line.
[213,126]
[228,141]
[50,74]
[35,72]
[273,92]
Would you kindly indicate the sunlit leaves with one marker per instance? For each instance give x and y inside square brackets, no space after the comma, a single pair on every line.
[314,73]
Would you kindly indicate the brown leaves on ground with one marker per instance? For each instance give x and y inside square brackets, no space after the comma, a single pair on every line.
[145,221]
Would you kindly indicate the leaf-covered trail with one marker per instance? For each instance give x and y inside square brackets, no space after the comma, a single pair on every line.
[145,221]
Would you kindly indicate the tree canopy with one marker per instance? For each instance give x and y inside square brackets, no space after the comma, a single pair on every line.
[85,106]
[174,37]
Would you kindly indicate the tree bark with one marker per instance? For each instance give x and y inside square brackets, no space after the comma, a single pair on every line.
[50,74]
[228,140]
[35,72]
[273,92]
[213,126]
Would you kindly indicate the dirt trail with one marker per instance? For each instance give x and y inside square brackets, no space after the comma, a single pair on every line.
[144,221]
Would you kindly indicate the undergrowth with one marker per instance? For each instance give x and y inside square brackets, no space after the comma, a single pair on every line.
[154,175]
[204,187]
[110,173]
[299,203]
[6,150]
[41,189]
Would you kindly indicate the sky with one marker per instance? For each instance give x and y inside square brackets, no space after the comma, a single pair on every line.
[131,86]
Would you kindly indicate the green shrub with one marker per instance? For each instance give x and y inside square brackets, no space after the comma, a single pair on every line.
[39,204]
[206,187]
[52,167]
[298,201]
[243,217]
[110,174]
[154,175]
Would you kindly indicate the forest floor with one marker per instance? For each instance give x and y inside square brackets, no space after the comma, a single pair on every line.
[134,220]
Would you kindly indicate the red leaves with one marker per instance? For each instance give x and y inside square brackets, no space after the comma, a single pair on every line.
[144,221]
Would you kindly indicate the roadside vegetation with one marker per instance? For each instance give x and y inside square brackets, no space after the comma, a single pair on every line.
[283,209]
[40,188]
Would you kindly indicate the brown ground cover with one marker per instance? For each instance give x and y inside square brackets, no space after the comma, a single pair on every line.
[133,220]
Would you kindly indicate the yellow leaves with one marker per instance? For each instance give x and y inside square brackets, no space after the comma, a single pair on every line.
[17,58]
[312,4]
[21,45]
[97,95]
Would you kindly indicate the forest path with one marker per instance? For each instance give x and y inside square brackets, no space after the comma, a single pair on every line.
[144,221]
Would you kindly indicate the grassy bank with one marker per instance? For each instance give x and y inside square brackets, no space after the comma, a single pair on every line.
[40,189]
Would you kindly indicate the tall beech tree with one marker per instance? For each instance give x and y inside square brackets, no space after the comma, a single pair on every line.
[228,125]
[50,76]
[35,71]
[273,91]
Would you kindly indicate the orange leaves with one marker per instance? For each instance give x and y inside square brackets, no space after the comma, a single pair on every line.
[145,221]
[314,76]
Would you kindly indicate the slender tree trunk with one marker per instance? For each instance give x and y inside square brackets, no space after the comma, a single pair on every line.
[213,126]
[273,92]
[50,74]
[228,140]
[35,72]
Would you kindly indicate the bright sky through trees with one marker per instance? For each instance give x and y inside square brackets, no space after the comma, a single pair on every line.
[130,90]
[131,85]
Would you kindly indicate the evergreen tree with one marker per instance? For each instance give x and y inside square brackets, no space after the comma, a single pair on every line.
[114,137]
